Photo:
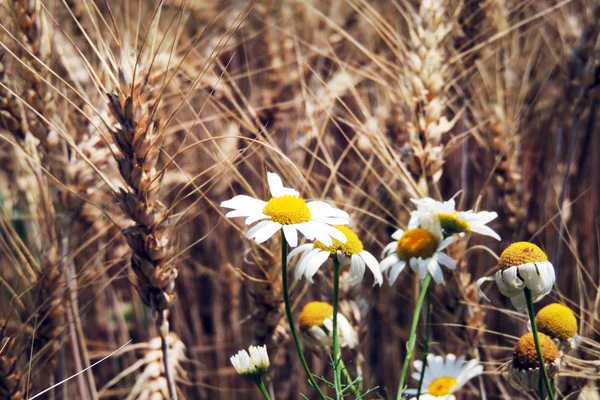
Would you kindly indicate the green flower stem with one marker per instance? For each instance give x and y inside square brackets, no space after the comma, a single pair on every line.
[413,334]
[336,340]
[290,317]
[426,343]
[353,387]
[263,389]
[537,346]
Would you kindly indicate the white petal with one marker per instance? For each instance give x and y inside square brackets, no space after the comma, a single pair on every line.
[252,231]
[445,259]
[265,233]
[291,235]
[398,234]
[306,228]
[445,243]
[388,261]
[357,269]
[335,233]
[509,282]
[480,282]
[485,230]
[395,271]
[315,263]
[519,301]
[435,270]
[243,202]
[391,247]
[276,186]
[414,221]
[304,262]
[300,249]
[256,217]
[373,266]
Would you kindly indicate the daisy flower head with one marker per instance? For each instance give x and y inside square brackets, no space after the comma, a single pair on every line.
[560,324]
[523,265]
[316,325]
[444,376]
[450,220]
[252,363]
[350,253]
[524,370]
[286,210]
[421,249]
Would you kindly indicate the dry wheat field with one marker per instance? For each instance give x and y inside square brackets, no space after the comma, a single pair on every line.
[299,199]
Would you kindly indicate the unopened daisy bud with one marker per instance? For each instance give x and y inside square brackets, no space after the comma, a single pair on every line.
[559,323]
[421,249]
[253,364]
[524,370]
[316,324]
[523,265]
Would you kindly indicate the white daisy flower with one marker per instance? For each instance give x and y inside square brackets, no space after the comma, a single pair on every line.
[559,323]
[421,249]
[523,265]
[253,364]
[524,371]
[316,325]
[351,252]
[451,221]
[444,377]
[286,210]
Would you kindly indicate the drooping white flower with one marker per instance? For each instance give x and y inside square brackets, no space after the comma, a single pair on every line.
[316,325]
[523,265]
[524,371]
[351,252]
[286,210]
[252,364]
[451,221]
[421,249]
[444,376]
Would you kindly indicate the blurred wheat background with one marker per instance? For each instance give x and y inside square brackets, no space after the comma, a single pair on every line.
[124,124]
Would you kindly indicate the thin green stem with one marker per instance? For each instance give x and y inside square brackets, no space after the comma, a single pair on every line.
[263,389]
[337,380]
[426,343]
[538,348]
[413,334]
[354,388]
[290,317]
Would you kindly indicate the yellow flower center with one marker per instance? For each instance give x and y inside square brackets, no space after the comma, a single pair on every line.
[520,253]
[557,321]
[287,210]
[352,246]
[314,313]
[451,224]
[417,242]
[442,386]
[525,356]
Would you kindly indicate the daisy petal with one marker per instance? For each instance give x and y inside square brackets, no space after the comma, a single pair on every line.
[291,235]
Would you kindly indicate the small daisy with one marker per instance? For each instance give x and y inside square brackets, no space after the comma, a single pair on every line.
[286,210]
[316,325]
[559,323]
[451,221]
[351,252]
[523,265]
[421,249]
[253,365]
[524,371]
[444,377]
